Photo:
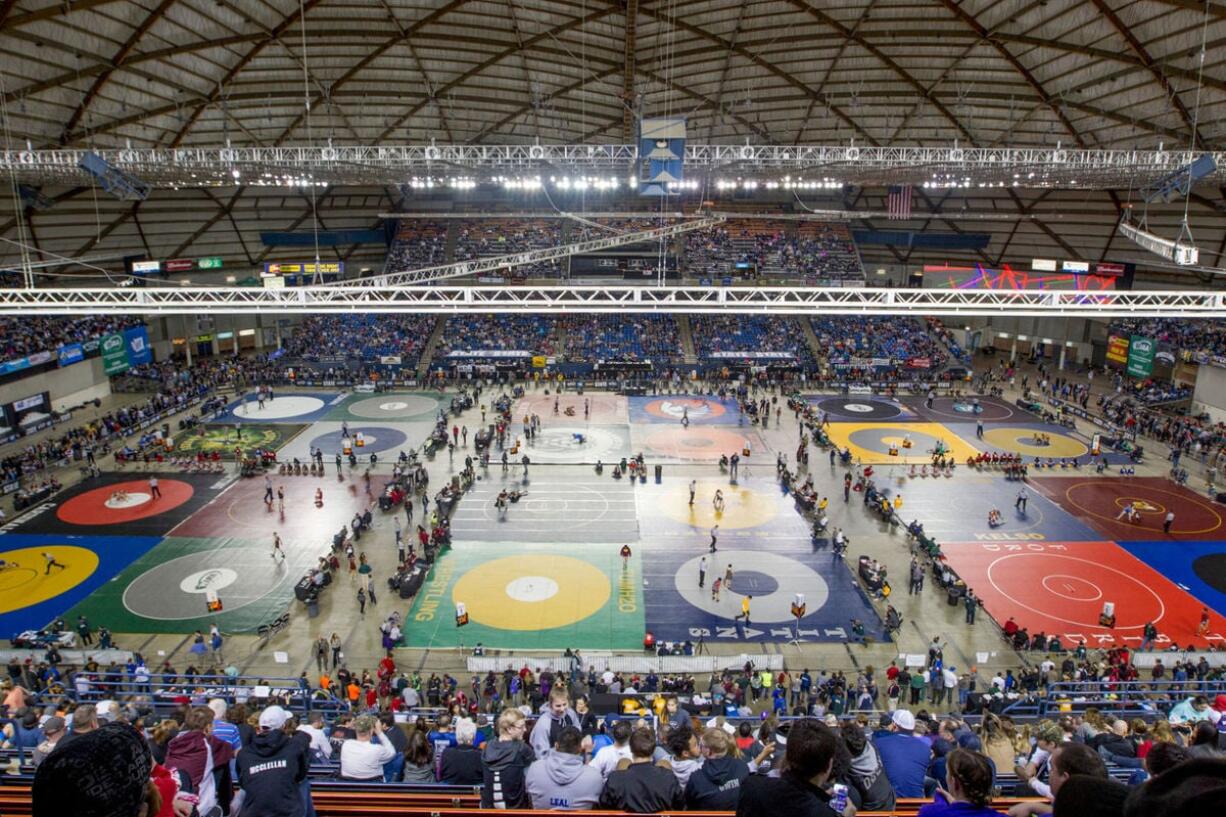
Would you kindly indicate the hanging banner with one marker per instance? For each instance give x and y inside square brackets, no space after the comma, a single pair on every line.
[70,353]
[136,343]
[1141,357]
[1117,349]
[114,355]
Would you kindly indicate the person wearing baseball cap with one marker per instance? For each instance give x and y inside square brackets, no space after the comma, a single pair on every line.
[54,728]
[904,756]
[273,768]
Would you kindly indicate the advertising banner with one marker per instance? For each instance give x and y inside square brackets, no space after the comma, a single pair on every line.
[114,355]
[1117,349]
[136,344]
[70,353]
[1141,357]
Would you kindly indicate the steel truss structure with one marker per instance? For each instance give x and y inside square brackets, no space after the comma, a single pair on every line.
[393,164]
[609,299]
[497,262]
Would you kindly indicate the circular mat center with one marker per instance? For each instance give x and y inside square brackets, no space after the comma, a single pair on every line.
[753,583]
[387,407]
[14,577]
[395,405]
[532,588]
[115,502]
[281,407]
[1073,588]
[205,580]
[1142,505]
[1211,569]
[858,408]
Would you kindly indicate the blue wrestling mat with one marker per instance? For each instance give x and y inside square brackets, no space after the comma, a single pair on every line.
[31,597]
[679,610]
[1198,567]
[375,440]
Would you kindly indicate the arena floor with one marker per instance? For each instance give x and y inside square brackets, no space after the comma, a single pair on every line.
[547,573]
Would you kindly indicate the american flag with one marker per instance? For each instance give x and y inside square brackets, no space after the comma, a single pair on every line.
[899,202]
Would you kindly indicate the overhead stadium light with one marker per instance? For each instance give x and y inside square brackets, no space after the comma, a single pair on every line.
[1176,251]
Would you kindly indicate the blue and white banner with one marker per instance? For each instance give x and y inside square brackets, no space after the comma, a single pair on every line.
[71,353]
[136,341]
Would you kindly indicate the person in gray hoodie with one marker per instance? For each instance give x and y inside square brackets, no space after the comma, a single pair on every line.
[560,780]
[685,757]
[555,715]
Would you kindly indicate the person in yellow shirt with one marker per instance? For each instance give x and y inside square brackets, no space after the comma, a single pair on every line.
[898,502]
[821,506]
[745,608]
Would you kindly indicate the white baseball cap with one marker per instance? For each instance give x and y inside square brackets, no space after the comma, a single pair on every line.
[273,718]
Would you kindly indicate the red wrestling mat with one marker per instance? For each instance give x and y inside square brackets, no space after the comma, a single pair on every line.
[240,511]
[602,408]
[108,505]
[706,444]
[1060,588]
[1099,500]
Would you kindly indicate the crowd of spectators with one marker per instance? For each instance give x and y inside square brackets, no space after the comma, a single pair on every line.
[470,333]
[361,338]
[579,231]
[418,243]
[1185,335]
[529,738]
[30,334]
[900,340]
[826,251]
[590,338]
[750,333]
[485,238]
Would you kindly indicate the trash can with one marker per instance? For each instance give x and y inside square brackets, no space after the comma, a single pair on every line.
[312,605]
[953,597]
[659,473]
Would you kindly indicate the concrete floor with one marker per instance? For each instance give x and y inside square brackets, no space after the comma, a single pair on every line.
[925,615]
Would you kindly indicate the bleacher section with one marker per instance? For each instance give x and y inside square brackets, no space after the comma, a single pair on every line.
[861,342]
[750,334]
[418,243]
[361,338]
[31,334]
[590,338]
[1181,335]
[493,333]
[826,251]
[492,237]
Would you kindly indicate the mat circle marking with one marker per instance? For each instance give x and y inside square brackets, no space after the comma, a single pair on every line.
[29,583]
[529,600]
[696,409]
[694,443]
[150,595]
[1084,582]
[95,507]
[378,439]
[1175,529]
[962,410]
[1099,569]
[392,406]
[789,575]
[862,409]
[1022,441]
[281,408]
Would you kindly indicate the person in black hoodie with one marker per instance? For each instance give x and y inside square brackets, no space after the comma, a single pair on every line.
[272,768]
[642,787]
[716,784]
[799,790]
[462,762]
[505,763]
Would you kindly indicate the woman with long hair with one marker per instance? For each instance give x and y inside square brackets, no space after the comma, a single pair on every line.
[968,778]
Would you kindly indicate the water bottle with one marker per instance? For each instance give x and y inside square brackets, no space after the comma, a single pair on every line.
[838,799]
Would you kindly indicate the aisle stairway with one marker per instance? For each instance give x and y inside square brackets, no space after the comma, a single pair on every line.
[427,355]
[687,340]
[815,346]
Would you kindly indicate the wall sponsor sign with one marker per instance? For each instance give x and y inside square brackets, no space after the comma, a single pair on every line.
[1141,356]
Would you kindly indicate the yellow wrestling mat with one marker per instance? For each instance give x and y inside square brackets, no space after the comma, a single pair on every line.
[1021,441]
[532,592]
[871,442]
[28,583]
[744,507]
